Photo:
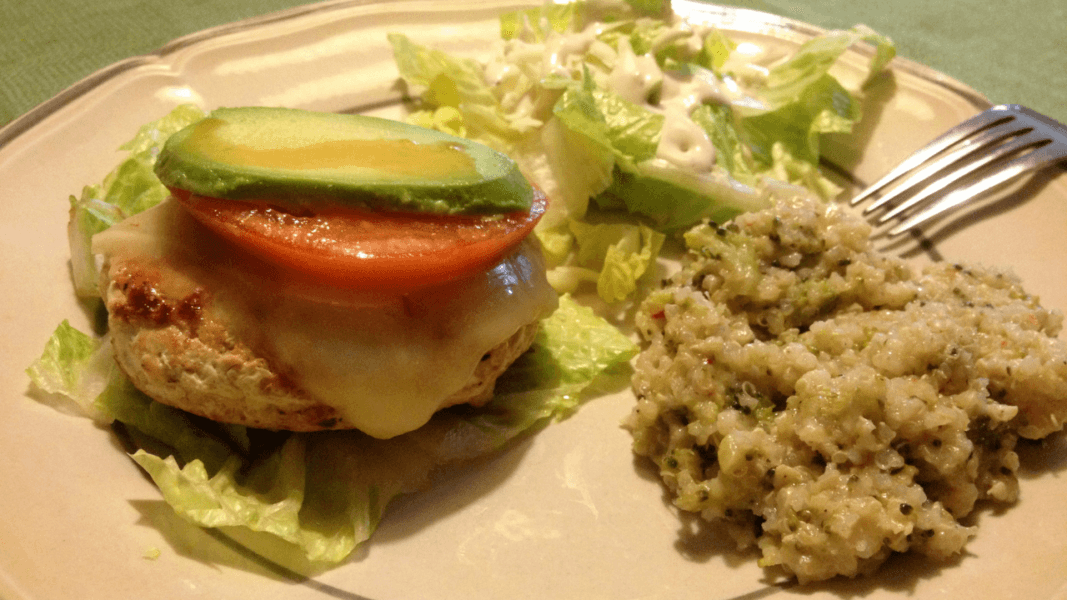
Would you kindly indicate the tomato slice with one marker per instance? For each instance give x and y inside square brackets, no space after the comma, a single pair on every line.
[372,250]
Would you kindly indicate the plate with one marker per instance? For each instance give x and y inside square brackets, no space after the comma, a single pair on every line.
[565,513]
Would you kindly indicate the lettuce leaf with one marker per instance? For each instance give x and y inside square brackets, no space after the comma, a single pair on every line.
[804,102]
[459,87]
[614,256]
[718,121]
[536,23]
[673,199]
[650,8]
[632,131]
[589,134]
[73,371]
[127,190]
[792,80]
[324,493]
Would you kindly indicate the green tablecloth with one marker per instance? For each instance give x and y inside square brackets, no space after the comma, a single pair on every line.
[1011,51]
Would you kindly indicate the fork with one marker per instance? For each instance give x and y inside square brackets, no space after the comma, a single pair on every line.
[964,163]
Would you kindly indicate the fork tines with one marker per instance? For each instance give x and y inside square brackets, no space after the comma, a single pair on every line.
[963,163]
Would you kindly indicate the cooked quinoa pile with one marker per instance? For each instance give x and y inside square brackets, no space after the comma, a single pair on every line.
[831,404]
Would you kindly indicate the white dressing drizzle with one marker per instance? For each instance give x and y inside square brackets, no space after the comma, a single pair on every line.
[635,78]
[673,93]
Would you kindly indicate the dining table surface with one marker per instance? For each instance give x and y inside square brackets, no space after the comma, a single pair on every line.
[1011,52]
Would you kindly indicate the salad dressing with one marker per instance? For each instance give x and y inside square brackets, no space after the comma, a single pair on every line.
[640,80]
[635,78]
[684,144]
[561,52]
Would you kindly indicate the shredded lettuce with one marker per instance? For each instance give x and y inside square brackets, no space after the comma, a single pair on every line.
[538,21]
[458,86]
[324,493]
[563,106]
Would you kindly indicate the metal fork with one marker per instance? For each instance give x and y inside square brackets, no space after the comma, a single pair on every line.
[963,163]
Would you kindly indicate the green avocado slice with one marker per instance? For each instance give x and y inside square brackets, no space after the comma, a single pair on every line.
[308,159]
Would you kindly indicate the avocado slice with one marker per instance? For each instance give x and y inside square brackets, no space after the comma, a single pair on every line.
[307,159]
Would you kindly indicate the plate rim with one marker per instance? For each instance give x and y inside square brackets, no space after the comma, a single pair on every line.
[72,94]
[22,124]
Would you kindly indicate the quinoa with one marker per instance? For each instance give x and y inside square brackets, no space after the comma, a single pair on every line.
[832,405]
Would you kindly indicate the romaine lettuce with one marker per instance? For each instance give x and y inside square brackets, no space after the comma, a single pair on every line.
[595,146]
[73,370]
[621,254]
[324,493]
[129,189]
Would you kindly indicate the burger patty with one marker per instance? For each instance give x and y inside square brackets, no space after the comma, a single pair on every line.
[194,329]
[167,352]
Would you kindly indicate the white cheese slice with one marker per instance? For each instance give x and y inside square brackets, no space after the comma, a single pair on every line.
[386,363]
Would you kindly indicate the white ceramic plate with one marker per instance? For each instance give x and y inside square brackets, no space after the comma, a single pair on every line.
[566,513]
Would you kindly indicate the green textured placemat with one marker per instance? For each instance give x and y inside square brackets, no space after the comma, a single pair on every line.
[1012,52]
[48,45]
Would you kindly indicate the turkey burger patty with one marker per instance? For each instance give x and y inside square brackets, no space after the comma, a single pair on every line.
[253,320]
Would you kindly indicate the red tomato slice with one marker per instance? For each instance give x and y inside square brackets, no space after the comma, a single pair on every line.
[353,248]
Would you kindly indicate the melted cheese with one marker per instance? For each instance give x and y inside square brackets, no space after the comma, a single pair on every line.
[385,363]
